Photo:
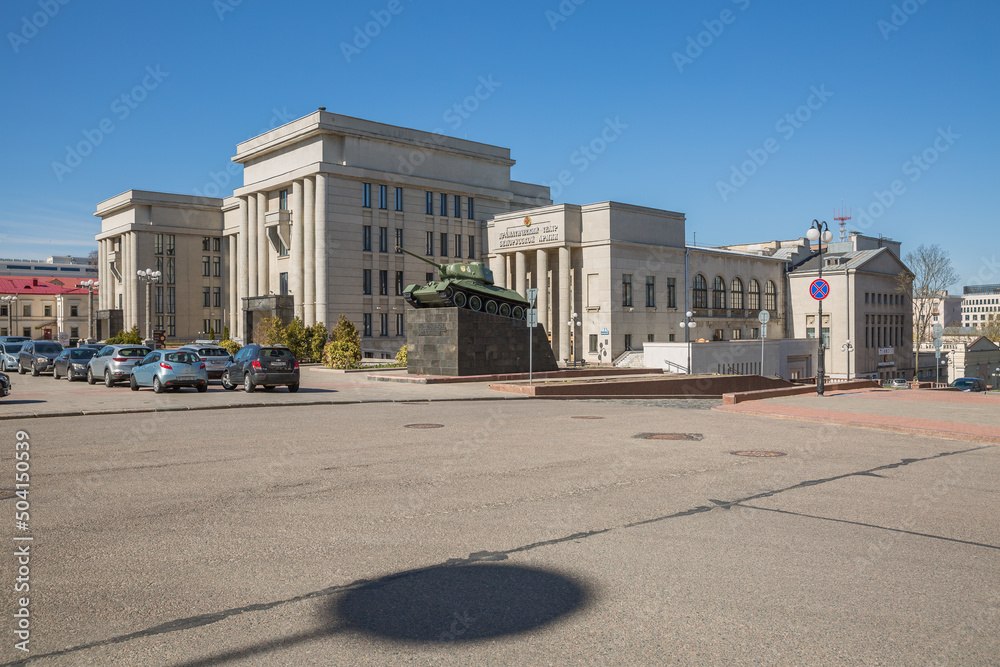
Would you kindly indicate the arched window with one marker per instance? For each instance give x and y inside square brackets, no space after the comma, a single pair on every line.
[770,296]
[754,300]
[700,292]
[736,294]
[719,293]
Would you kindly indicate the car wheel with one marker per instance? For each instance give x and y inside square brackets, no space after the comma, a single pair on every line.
[226,384]
[34,370]
[293,388]
[132,384]
[69,374]
[248,385]
[90,376]
[108,382]
[157,387]
[20,368]
[55,373]
[203,387]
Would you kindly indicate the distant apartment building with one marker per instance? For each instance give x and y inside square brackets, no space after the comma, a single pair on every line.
[60,265]
[43,307]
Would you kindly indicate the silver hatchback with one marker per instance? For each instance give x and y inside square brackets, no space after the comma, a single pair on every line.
[215,357]
[114,363]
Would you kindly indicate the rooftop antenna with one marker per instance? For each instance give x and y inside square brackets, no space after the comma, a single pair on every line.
[842,218]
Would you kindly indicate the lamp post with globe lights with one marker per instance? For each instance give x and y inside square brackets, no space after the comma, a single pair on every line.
[848,347]
[90,285]
[150,276]
[687,325]
[820,232]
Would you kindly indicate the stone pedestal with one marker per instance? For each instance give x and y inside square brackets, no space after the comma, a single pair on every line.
[458,341]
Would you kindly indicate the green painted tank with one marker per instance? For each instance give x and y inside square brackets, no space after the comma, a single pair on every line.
[465,285]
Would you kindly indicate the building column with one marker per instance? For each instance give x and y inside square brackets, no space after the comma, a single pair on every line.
[243,276]
[499,267]
[137,296]
[309,252]
[263,268]
[251,257]
[298,246]
[102,260]
[320,255]
[565,307]
[542,283]
[520,272]
[234,300]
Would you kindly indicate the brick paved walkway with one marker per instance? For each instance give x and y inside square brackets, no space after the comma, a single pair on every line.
[958,415]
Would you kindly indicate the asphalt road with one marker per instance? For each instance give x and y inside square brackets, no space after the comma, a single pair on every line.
[514,533]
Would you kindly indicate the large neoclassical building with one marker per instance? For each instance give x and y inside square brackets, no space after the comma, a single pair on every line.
[326,200]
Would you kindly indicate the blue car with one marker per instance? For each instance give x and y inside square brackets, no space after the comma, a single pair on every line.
[165,368]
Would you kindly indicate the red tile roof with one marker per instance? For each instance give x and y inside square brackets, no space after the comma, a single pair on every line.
[40,285]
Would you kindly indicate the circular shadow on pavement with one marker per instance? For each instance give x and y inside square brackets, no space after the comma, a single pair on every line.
[458,603]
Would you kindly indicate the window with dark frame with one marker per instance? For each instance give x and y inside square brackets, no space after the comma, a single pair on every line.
[444,244]
[399,241]
[399,325]
[671,292]
[383,324]
[699,292]
[206,266]
[430,243]
[399,283]
[366,195]
[366,238]
[383,239]
[206,297]
[650,291]
[443,208]
[626,290]
[472,247]
[383,197]
[457,205]
[366,281]
[754,295]
[468,208]
[458,245]
[383,282]
[399,199]
[429,203]
[283,200]
[718,293]
[366,325]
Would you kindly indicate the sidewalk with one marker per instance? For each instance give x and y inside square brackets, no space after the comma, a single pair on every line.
[957,415]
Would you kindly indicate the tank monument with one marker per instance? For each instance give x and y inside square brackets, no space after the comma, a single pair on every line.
[464,324]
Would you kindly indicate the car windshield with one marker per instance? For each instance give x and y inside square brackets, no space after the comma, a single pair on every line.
[182,357]
[212,352]
[963,383]
[82,353]
[48,348]
[12,348]
[276,353]
[133,352]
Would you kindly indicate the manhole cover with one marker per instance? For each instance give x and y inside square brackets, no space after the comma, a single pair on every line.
[587,417]
[424,426]
[758,454]
[670,436]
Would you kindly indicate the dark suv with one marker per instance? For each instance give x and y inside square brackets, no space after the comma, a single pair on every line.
[37,356]
[266,365]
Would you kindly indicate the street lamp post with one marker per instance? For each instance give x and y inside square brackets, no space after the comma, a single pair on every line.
[819,232]
[90,285]
[572,341]
[687,325]
[848,347]
[11,301]
[150,276]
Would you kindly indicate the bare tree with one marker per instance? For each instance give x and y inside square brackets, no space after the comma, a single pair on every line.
[92,258]
[928,275]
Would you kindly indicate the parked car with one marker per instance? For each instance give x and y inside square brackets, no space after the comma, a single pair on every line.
[37,356]
[8,355]
[969,384]
[92,346]
[114,363]
[895,383]
[216,358]
[4,385]
[14,339]
[266,365]
[72,362]
[167,368]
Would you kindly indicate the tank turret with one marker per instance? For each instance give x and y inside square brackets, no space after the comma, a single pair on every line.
[464,285]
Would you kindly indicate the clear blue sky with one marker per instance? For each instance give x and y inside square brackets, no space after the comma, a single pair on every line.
[832,98]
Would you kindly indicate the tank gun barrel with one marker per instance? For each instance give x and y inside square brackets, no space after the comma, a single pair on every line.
[422,259]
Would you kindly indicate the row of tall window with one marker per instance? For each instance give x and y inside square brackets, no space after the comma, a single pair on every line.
[166,263]
[443,245]
[383,324]
[671,294]
[383,197]
[735,294]
[383,282]
[881,299]
[168,324]
[442,201]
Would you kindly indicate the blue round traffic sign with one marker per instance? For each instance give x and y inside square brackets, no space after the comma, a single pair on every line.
[819,289]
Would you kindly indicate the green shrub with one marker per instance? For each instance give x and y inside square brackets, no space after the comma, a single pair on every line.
[401,356]
[232,347]
[344,349]
[318,337]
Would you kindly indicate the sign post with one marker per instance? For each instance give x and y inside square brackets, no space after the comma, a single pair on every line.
[764,317]
[819,290]
[532,318]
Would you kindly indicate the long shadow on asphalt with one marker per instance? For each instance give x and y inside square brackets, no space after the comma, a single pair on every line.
[436,606]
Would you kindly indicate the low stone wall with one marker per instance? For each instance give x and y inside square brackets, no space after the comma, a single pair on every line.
[681,386]
[740,397]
